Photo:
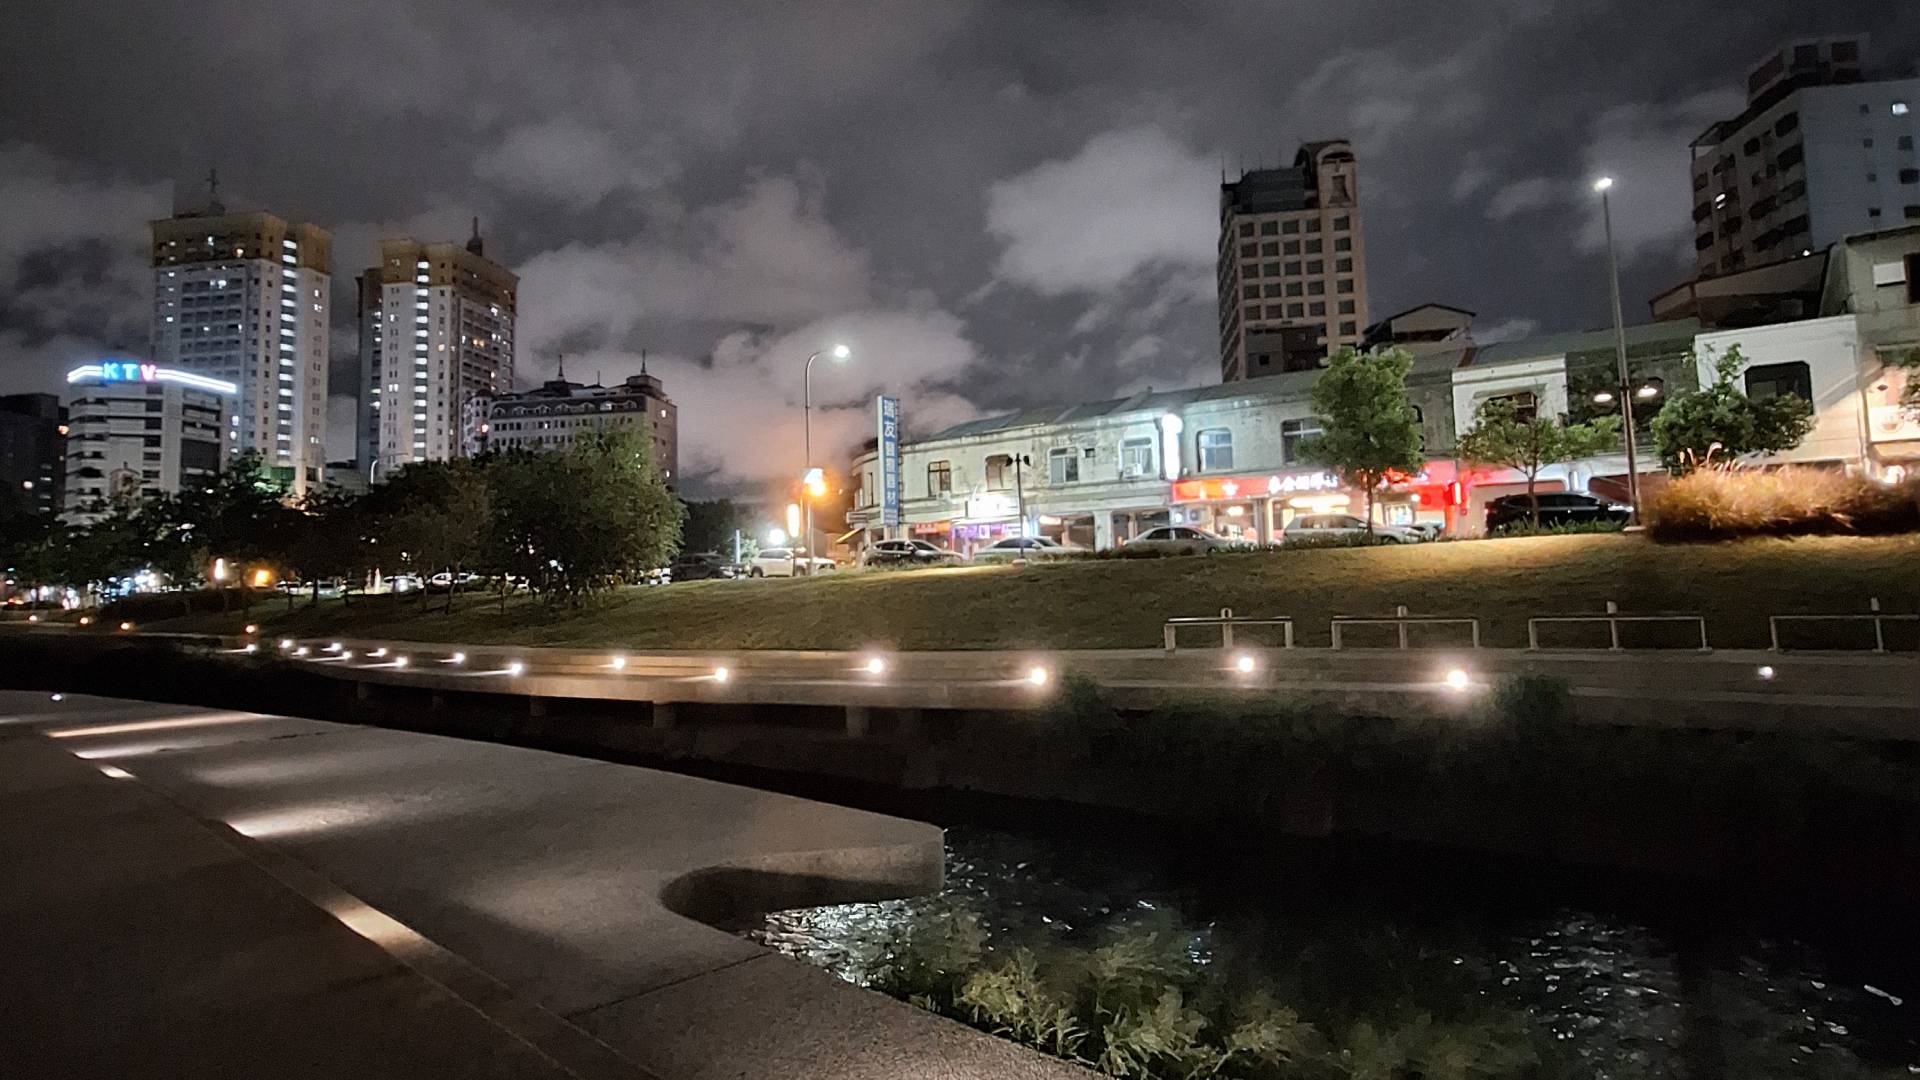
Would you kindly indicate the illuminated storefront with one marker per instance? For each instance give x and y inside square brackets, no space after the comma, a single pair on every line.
[1256,508]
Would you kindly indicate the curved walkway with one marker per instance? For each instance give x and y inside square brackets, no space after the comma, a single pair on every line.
[542,872]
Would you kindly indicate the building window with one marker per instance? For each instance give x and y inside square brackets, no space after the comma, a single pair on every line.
[1291,432]
[1340,222]
[1270,247]
[1136,457]
[997,472]
[1269,228]
[1906,142]
[1526,404]
[939,478]
[1899,108]
[1768,381]
[1246,228]
[1063,466]
[1290,226]
[1342,243]
[1910,176]
[1216,450]
[1293,247]
[1346,307]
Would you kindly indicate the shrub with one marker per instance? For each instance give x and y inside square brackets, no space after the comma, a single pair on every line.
[1564,528]
[1723,503]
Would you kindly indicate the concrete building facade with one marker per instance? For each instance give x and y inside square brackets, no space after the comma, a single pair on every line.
[243,298]
[552,416]
[1292,270]
[1824,149]
[136,430]
[436,342]
[33,453]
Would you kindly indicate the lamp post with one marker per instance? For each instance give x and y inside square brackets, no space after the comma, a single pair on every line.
[839,354]
[1603,185]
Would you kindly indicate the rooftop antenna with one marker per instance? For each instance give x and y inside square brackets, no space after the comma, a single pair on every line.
[643,361]
[474,243]
[561,359]
[213,192]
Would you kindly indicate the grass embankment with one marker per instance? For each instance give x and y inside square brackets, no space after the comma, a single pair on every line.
[1118,603]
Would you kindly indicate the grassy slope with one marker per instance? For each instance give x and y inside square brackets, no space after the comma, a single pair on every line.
[1121,603]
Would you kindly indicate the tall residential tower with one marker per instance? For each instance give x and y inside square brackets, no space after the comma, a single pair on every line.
[243,298]
[436,346]
[1292,271]
[1823,150]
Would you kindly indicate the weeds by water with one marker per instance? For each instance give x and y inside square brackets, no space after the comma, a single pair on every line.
[1145,1003]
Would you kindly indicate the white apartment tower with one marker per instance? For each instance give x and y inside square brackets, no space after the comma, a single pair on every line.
[436,345]
[243,297]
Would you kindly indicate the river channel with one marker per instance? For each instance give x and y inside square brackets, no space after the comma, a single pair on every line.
[1617,976]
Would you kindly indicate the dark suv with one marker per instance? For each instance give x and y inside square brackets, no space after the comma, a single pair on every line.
[703,566]
[906,553]
[1556,508]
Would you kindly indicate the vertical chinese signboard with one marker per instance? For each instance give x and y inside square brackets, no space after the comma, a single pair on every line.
[889,410]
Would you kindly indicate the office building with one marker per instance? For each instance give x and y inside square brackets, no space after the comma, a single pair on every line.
[135,430]
[243,298]
[33,430]
[550,417]
[1824,149]
[436,344]
[1292,267]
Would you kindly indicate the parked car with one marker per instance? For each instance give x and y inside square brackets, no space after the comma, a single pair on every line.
[787,562]
[907,553]
[1310,527]
[1556,508]
[1025,547]
[1180,540]
[702,566]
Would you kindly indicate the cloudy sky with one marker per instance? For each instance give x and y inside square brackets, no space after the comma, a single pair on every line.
[994,202]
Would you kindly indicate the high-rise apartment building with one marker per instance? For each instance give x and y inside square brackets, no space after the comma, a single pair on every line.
[243,297]
[33,449]
[136,430]
[436,342]
[1823,150]
[1292,271]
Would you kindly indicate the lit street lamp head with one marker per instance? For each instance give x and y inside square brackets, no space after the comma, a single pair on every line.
[1603,183]
[841,352]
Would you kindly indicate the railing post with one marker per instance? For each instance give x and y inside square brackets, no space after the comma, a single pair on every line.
[1773,632]
[1704,647]
[1879,628]
[1613,627]
[1476,632]
[1168,634]
[1334,629]
[1226,628]
[1533,635]
[1400,612]
[1286,630]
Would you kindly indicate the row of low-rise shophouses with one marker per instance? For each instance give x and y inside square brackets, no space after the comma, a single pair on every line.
[1228,458]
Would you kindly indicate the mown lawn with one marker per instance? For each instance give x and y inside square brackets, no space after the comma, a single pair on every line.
[1122,603]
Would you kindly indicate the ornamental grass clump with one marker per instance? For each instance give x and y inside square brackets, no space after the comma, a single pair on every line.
[1723,503]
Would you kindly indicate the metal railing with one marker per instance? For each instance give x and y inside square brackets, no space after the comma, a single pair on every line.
[1226,621]
[1873,614]
[1401,620]
[1613,619]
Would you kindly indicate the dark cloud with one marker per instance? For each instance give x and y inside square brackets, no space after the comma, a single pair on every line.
[997,202]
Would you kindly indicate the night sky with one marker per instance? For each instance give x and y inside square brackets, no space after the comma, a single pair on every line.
[993,203]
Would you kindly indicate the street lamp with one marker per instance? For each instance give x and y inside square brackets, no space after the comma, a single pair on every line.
[839,353]
[1602,186]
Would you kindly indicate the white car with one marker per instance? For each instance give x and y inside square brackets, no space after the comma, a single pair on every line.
[1025,547]
[1180,540]
[1311,527]
[786,562]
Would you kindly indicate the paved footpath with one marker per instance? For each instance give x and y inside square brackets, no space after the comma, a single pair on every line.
[185,892]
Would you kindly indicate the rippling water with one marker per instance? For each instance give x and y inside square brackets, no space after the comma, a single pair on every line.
[1624,985]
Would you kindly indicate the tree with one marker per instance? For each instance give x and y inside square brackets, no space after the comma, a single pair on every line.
[575,522]
[1720,419]
[1368,429]
[445,532]
[710,525]
[1500,435]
